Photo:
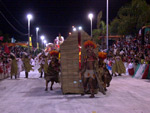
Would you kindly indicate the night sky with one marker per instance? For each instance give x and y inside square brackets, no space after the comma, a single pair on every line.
[53,16]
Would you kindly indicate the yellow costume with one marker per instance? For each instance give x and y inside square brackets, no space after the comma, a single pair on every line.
[14,67]
[118,66]
[27,65]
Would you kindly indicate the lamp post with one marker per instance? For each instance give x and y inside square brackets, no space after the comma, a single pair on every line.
[42,38]
[91,17]
[107,24]
[37,29]
[29,17]
[45,42]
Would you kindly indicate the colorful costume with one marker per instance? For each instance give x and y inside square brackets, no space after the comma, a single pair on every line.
[14,67]
[87,70]
[27,66]
[118,66]
[103,73]
[43,66]
[52,72]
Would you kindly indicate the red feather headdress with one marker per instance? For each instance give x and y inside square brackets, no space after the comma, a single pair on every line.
[89,43]
[54,52]
[102,55]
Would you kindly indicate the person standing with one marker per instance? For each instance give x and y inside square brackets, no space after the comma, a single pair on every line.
[118,66]
[19,63]
[14,66]
[27,66]
[43,66]
[52,72]
[87,68]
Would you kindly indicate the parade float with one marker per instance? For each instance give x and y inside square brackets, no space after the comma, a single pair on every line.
[72,51]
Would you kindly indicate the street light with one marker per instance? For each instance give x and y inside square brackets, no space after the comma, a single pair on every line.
[74,29]
[70,33]
[29,17]
[37,29]
[80,28]
[42,38]
[91,17]
[107,24]
[45,41]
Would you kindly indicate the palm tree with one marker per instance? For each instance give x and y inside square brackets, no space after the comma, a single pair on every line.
[101,29]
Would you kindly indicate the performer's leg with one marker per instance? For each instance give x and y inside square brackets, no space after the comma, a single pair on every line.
[15,76]
[26,74]
[52,82]
[41,74]
[91,88]
[105,82]
[46,85]
[86,80]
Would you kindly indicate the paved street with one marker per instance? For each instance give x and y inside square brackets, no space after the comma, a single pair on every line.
[125,95]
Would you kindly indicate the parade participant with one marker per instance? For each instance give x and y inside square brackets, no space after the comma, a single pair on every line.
[27,65]
[14,66]
[53,70]
[103,73]
[20,65]
[43,65]
[41,60]
[87,69]
[118,66]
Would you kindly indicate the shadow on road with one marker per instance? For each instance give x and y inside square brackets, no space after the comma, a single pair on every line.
[40,91]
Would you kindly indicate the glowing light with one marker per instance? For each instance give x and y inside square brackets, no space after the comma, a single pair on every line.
[74,29]
[80,28]
[45,41]
[69,33]
[42,37]
[37,29]
[90,16]
[29,16]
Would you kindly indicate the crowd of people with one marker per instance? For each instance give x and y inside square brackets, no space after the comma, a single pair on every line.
[6,54]
[134,55]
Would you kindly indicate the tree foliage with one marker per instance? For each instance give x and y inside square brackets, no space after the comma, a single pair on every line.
[101,28]
[131,18]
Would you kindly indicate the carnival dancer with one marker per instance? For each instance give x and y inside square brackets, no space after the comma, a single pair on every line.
[103,73]
[14,66]
[43,65]
[53,70]
[118,66]
[87,68]
[27,65]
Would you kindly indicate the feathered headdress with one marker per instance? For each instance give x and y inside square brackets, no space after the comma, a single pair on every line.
[54,52]
[102,55]
[89,43]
